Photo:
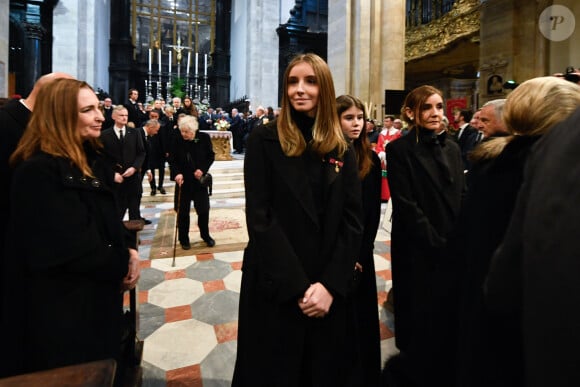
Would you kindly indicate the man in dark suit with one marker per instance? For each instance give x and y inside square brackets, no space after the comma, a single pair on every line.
[125,147]
[108,112]
[136,115]
[237,129]
[466,135]
[156,153]
[14,116]
[536,268]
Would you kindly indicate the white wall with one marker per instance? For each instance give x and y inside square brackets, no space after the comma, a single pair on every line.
[81,40]
[254,49]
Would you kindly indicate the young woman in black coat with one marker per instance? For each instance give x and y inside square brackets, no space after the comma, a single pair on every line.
[68,255]
[426,182]
[489,336]
[303,209]
[351,113]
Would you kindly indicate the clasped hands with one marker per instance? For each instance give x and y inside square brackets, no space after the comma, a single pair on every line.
[119,178]
[316,301]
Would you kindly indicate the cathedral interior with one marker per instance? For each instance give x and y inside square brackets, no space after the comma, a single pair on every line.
[231,54]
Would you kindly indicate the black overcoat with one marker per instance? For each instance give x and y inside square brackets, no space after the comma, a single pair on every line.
[69,254]
[425,208]
[293,244]
[537,266]
[488,342]
[366,317]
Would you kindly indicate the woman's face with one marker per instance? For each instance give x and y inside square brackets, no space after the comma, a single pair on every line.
[90,117]
[303,89]
[187,134]
[187,102]
[352,122]
[430,113]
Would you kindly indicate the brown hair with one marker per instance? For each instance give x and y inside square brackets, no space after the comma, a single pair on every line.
[53,125]
[327,133]
[414,102]
[361,145]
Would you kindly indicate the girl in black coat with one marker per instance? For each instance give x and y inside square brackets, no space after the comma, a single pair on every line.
[69,254]
[426,182]
[351,113]
[303,209]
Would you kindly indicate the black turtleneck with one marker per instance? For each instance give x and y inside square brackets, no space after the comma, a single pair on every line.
[312,161]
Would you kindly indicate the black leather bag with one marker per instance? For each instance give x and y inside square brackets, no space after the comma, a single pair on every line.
[206,181]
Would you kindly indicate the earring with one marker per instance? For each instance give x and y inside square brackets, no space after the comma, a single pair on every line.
[411,118]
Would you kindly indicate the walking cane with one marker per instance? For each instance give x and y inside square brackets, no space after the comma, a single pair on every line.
[176,222]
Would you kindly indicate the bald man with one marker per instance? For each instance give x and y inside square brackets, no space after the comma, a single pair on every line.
[14,116]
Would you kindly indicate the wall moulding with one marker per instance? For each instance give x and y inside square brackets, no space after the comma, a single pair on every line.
[461,22]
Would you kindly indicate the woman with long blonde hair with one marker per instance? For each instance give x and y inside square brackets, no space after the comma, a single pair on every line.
[303,209]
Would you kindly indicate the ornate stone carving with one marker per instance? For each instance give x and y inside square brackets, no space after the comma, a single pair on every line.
[220,140]
[462,21]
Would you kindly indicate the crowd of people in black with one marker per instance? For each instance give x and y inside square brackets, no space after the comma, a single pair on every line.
[483,253]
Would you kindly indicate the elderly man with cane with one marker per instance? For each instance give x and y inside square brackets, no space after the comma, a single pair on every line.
[190,159]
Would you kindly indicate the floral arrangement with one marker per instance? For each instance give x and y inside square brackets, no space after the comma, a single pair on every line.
[222,124]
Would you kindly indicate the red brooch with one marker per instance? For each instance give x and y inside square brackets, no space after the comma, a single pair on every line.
[337,164]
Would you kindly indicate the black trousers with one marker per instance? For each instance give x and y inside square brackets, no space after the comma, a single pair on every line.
[192,191]
[129,196]
[161,177]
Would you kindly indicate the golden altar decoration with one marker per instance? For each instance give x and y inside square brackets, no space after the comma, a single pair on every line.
[220,140]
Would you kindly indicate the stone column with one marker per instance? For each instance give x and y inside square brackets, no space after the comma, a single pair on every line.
[366,45]
[33,69]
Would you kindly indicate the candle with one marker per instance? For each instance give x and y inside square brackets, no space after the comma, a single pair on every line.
[169,61]
[149,60]
[188,60]
[196,61]
[205,64]
[159,59]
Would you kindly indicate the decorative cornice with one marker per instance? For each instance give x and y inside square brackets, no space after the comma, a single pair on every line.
[462,21]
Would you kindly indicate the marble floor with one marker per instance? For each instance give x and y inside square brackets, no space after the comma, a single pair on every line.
[188,312]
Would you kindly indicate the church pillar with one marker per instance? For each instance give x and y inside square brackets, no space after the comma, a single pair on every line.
[33,69]
[366,45]
[220,94]
[121,78]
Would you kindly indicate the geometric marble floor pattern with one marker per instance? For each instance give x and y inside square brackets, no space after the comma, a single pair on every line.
[188,312]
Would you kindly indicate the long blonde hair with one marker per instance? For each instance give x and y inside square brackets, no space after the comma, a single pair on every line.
[53,125]
[327,133]
[532,109]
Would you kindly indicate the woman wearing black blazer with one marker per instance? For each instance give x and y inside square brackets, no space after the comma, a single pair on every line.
[303,209]
[70,256]
[426,181]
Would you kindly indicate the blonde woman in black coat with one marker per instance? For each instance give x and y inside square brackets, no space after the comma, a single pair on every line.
[303,209]
[426,182]
[489,336]
[69,256]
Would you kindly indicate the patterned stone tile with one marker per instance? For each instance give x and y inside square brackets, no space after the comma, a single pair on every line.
[213,286]
[153,376]
[208,270]
[217,307]
[231,256]
[151,318]
[181,291]
[179,344]
[233,281]
[218,367]
[189,376]
[166,264]
[150,278]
